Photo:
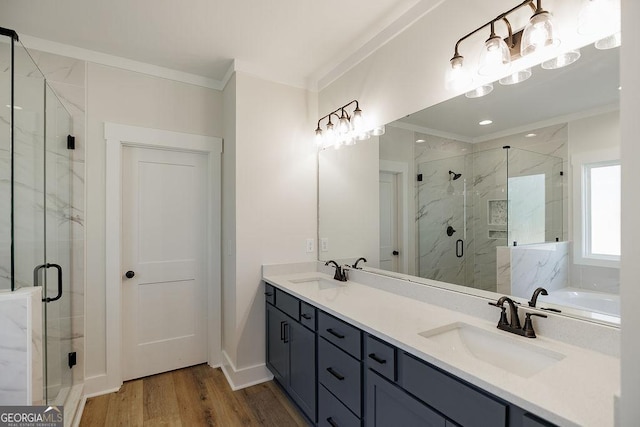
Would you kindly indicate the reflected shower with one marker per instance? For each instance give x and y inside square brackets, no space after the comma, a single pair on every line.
[455,175]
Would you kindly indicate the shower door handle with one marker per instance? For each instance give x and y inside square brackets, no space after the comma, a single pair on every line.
[459,248]
[36,272]
[59,295]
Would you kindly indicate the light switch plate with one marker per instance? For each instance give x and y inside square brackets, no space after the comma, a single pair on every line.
[310,246]
[324,244]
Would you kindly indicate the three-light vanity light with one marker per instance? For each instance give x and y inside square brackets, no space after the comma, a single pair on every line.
[348,128]
[536,38]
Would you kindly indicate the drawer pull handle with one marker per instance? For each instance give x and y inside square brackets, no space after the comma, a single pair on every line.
[269,294]
[335,334]
[335,374]
[306,316]
[333,423]
[377,359]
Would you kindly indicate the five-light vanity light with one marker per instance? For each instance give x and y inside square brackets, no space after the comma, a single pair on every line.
[537,37]
[348,128]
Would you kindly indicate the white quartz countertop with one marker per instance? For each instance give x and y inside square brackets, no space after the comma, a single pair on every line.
[575,391]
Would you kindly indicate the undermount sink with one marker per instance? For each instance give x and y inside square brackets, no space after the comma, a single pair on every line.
[506,352]
[320,282]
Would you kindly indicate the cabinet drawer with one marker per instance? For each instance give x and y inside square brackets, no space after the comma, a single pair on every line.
[269,293]
[529,420]
[288,304]
[332,413]
[308,315]
[381,357]
[340,374]
[342,334]
[456,400]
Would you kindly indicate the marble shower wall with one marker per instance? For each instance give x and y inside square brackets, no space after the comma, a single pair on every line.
[521,269]
[21,347]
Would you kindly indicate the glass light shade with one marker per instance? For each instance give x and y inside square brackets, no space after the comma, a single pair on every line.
[480,91]
[380,130]
[349,139]
[357,122]
[538,34]
[458,76]
[319,138]
[517,77]
[363,136]
[344,126]
[330,136]
[563,60]
[610,42]
[495,57]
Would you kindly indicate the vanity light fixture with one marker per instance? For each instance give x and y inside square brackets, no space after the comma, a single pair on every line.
[601,17]
[498,52]
[480,91]
[563,60]
[515,78]
[348,128]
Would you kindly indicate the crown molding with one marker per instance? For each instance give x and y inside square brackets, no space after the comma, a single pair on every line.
[370,43]
[123,63]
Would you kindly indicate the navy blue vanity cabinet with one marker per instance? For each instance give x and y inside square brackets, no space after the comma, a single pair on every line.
[291,352]
[388,405]
[277,347]
[339,372]
[459,402]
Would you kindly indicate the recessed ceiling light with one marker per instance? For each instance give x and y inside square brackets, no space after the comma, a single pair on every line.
[15,107]
[420,141]
[530,135]
[485,122]
[619,87]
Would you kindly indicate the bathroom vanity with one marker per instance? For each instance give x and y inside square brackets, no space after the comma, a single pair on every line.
[349,354]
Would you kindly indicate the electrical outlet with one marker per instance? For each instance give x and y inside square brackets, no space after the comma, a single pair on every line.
[310,247]
[324,244]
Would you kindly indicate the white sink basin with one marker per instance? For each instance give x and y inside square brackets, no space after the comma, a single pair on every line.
[320,282]
[502,350]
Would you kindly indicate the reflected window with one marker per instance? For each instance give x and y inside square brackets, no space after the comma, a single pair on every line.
[601,184]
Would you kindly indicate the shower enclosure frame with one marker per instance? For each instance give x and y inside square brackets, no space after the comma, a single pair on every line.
[40,182]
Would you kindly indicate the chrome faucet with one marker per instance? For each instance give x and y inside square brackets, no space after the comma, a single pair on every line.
[534,297]
[355,264]
[340,275]
[513,324]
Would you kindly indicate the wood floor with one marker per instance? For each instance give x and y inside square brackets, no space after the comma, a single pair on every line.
[191,397]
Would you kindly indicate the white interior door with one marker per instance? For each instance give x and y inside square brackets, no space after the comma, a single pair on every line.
[164,241]
[388,221]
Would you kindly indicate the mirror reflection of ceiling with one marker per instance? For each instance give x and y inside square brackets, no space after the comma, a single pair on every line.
[588,84]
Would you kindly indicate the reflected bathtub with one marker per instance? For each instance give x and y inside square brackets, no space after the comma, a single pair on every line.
[597,302]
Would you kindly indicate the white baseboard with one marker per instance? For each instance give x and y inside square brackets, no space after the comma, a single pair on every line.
[245,377]
[98,385]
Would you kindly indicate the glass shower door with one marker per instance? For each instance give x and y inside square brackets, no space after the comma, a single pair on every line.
[442,220]
[58,313]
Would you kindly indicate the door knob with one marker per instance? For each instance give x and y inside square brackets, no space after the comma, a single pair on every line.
[395,253]
[129,274]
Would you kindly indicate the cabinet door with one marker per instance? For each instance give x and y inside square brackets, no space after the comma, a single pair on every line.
[302,374]
[389,405]
[277,345]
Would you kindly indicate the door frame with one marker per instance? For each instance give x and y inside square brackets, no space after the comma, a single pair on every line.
[118,136]
[401,170]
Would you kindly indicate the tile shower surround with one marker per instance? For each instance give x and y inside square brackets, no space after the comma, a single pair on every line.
[439,201]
